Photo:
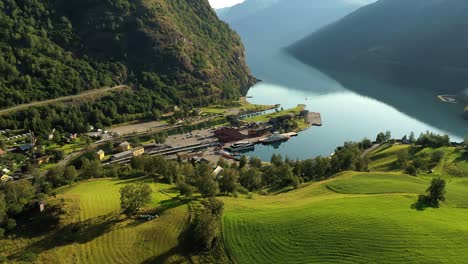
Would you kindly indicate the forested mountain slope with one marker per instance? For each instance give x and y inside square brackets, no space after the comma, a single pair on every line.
[173,48]
[406,40]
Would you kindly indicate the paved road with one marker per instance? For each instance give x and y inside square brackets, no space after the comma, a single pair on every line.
[90,93]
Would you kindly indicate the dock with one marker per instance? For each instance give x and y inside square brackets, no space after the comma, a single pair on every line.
[314,119]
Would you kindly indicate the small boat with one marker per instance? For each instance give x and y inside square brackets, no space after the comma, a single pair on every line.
[276,137]
[226,154]
[241,146]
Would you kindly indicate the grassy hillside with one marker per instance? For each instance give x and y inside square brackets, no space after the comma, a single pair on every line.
[318,225]
[355,217]
[101,235]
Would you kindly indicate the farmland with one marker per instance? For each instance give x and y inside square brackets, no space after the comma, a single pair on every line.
[355,217]
[103,235]
[361,224]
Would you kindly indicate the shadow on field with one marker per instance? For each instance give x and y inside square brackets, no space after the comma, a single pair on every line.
[79,232]
[421,204]
[178,254]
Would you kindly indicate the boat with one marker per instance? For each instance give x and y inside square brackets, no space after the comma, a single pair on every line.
[241,146]
[276,137]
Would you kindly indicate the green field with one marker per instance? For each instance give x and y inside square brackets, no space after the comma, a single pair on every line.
[106,236]
[317,225]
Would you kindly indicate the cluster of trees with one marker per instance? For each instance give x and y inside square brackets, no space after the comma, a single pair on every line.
[207,225]
[15,198]
[251,175]
[45,53]
[433,140]
[412,161]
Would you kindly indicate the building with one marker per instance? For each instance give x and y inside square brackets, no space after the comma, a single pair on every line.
[217,171]
[24,148]
[42,160]
[138,151]
[189,156]
[101,155]
[122,155]
[227,134]
[124,146]
[259,129]
[6,178]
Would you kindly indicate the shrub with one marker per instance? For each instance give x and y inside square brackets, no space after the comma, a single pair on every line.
[249,195]
[437,156]
[411,170]
[263,192]
[242,190]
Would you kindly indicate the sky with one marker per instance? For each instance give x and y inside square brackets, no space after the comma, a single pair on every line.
[224,3]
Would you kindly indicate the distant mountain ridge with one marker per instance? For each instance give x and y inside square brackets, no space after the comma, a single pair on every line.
[421,38]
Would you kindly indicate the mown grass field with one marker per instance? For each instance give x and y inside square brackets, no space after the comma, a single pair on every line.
[355,217]
[328,227]
[103,235]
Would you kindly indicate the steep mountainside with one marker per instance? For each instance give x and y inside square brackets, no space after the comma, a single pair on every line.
[174,48]
[407,41]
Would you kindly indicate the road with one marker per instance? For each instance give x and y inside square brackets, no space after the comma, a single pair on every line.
[91,93]
[367,151]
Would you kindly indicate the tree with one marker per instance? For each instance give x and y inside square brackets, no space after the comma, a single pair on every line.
[134,196]
[135,141]
[207,226]
[255,162]
[229,181]
[186,189]
[412,138]
[18,195]
[251,178]
[222,163]
[3,209]
[207,186]
[242,162]
[436,192]
[156,114]
[276,160]
[403,158]
[380,138]
[3,145]
[70,174]
[411,170]
[388,135]
[55,176]
[437,156]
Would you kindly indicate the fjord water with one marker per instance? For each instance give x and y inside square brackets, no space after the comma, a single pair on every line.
[352,107]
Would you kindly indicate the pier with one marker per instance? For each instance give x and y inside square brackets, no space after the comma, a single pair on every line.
[314,119]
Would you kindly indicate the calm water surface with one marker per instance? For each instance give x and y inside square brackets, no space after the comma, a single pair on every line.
[346,114]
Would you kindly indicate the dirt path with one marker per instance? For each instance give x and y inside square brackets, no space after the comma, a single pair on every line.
[367,151]
[91,94]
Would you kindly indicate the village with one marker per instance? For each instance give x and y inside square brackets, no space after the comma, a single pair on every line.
[23,154]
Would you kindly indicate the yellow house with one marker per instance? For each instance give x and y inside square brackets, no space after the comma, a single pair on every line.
[100,155]
[138,151]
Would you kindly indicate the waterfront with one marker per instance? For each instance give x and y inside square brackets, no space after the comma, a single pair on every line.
[347,115]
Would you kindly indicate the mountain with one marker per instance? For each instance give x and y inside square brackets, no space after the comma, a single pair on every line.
[421,43]
[267,31]
[173,48]
[243,10]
